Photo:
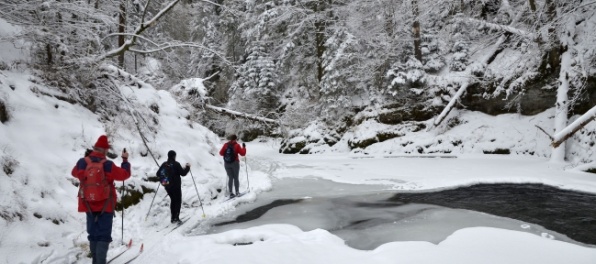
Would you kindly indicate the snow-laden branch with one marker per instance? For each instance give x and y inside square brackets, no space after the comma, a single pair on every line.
[170,46]
[233,113]
[466,82]
[111,71]
[145,11]
[510,29]
[140,29]
[212,75]
[515,84]
[165,46]
[194,90]
[506,7]
[578,124]
[130,35]
[179,45]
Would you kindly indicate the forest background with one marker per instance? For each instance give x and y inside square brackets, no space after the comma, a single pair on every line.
[315,71]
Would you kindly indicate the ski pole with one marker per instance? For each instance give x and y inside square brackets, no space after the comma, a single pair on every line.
[247,181]
[122,195]
[121,202]
[201,203]
[158,184]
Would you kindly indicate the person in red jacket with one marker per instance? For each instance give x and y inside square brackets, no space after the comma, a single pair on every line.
[100,213]
[232,164]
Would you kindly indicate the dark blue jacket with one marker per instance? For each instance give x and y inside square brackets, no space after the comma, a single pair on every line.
[175,173]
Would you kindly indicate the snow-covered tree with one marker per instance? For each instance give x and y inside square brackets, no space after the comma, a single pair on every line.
[61,33]
[574,34]
[256,89]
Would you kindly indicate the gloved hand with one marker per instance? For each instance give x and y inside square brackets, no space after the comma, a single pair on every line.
[188,165]
[243,145]
[124,154]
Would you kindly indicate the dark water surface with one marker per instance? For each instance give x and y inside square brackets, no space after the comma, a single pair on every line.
[259,211]
[567,212]
[367,220]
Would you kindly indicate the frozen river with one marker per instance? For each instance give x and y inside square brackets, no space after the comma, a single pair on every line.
[367,216]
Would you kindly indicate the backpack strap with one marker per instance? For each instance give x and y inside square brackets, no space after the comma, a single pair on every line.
[103,161]
[168,165]
[87,161]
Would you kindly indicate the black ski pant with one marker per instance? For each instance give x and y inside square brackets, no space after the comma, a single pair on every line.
[175,193]
[233,170]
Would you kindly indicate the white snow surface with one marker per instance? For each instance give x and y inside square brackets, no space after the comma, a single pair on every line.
[10,52]
[44,138]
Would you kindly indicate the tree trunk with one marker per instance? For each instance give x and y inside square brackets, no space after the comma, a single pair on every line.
[578,124]
[553,54]
[121,30]
[320,46]
[389,23]
[562,106]
[49,54]
[451,103]
[320,39]
[532,4]
[416,32]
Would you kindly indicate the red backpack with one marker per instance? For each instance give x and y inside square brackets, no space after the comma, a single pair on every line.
[94,185]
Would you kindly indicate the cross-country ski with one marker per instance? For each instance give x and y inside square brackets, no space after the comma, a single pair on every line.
[131,259]
[128,246]
[235,196]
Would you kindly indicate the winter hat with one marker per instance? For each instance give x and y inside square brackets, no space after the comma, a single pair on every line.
[102,142]
[171,154]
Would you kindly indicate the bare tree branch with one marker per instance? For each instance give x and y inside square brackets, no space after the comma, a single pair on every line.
[505,28]
[546,133]
[138,31]
[212,75]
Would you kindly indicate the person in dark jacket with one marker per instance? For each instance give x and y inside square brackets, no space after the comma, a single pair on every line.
[174,186]
[101,213]
[233,168]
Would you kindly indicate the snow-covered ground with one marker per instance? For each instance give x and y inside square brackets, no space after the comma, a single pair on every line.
[10,52]
[282,243]
[45,136]
[40,224]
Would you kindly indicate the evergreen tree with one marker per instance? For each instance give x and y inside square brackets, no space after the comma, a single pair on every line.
[255,89]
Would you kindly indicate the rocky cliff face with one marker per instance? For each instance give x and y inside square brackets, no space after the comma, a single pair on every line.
[531,101]
[536,98]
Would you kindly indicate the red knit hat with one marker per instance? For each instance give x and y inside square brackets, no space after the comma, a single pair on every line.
[102,142]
